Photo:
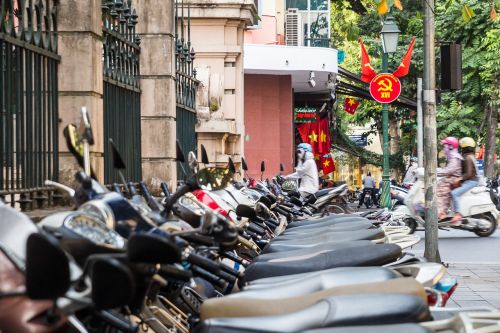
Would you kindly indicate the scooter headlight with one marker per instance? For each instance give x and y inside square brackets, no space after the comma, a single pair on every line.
[99,210]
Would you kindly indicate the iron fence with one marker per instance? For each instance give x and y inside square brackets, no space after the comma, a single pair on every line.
[186,84]
[28,103]
[122,107]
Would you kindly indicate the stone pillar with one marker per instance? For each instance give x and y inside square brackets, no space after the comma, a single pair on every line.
[158,105]
[80,78]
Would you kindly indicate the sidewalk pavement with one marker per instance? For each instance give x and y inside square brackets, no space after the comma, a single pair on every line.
[478,285]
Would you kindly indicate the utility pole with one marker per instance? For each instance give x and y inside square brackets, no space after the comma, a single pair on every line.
[430,135]
[420,125]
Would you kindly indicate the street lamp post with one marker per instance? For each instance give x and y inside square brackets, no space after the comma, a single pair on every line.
[389,36]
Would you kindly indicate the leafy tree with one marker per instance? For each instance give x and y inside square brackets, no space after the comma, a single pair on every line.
[462,113]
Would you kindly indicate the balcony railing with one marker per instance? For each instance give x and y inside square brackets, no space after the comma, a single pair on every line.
[317,42]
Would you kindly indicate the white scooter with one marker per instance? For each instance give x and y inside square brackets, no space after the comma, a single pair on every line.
[479,213]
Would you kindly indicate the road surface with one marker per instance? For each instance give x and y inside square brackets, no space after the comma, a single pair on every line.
[458,246]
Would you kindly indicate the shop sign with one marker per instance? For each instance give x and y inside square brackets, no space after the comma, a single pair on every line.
[304,115]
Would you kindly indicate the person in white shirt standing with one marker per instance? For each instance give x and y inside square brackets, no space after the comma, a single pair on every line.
[306,170]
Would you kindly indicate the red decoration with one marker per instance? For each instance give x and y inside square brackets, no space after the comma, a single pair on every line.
[327,164]
[367,70]
[404,67]
[317,134]
[385,88]
[351,105]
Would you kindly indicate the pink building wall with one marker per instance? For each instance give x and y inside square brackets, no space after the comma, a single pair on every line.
[266,34]
[268,123]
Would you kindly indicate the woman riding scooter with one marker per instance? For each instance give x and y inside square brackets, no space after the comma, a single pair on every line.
[306,170]
[451,174]
[470,177]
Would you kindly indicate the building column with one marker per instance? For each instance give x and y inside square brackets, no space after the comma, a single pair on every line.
[80,79]
[158,104]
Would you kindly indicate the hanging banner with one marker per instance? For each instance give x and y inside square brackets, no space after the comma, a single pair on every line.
[304,115]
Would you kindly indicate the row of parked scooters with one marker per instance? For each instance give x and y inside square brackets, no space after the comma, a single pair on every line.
[216,255]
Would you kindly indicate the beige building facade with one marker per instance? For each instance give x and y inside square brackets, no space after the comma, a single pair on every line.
[217,32]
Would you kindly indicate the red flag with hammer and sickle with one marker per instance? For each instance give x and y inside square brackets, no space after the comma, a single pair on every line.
[367,70]
[404,67]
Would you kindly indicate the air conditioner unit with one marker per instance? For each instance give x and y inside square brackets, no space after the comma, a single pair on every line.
[293,28]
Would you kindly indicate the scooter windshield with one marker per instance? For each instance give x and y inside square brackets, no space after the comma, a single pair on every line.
[213,179]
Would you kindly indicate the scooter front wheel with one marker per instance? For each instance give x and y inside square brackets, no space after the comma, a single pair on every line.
[493,226]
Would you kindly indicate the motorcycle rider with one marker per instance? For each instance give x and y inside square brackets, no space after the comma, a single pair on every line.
[306,170]
[451,175]
[368,186]
[469,178]
[411,174]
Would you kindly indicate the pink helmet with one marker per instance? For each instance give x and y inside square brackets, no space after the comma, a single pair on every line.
[450,141]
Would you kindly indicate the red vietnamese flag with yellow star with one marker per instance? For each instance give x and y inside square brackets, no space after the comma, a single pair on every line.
[323,136]
[317,134]
[327,164]
[351,105]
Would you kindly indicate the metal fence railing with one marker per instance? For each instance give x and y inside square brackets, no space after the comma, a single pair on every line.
[28,103]
[122,93]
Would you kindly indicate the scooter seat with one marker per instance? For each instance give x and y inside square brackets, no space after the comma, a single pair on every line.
[323,192]
[329,228]
[283,247]
[243,305]
[335,277]
[320,237]
[320,248]
[398,328]
[370,255]
[355,225]
[330,219]
[336,311]
[383,273]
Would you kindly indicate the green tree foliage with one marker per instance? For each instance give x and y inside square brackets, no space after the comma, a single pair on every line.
[462,113]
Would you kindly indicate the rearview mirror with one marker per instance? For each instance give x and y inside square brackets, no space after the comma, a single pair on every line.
[204,155]
[244,165]
[153,249]
[192,161]
[246,211]
[75,146]
[113,284]
[179,153]
[47,268]
[117,157]
[73,142]
[262,166]
[231,166]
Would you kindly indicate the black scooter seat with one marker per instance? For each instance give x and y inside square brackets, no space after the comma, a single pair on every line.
[329,219]
[284,247]
[329,228]
[324,237]
[398,328]
[370,255]
[336,311]
[335,277]
[342,223]
[320,248]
